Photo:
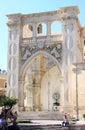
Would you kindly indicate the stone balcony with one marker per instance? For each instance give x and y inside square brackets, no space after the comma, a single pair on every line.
[43,38]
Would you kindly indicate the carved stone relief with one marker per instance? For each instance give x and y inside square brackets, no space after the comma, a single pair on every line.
[12,49]
[12,63]
[68,27]
[71,13]
[54,50]
[12,80]
[26,53]
[14,19]
[55,53]
[13,33]
[69,42]
[69,59]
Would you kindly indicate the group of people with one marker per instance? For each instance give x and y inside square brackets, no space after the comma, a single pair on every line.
[8,120]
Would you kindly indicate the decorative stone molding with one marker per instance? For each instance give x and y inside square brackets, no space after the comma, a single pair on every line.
[54,50]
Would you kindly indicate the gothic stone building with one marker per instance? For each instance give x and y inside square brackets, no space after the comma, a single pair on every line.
[41,62]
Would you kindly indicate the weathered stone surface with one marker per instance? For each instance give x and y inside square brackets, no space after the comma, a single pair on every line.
[38,60]
[55,115]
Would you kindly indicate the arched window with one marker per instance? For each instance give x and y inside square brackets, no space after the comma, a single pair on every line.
[56,28]
[27,31]
[41,29]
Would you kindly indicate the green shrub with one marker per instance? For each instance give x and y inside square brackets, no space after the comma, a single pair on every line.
[72,120]
[24,121]
[84,116]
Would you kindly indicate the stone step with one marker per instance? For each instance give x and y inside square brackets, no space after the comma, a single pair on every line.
[42,127]
[45,115]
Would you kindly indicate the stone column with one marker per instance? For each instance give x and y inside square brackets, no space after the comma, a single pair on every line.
[34,32]
[69,52]
[14,26]
[61,94]
[48,31]
[21,96]
[38,88]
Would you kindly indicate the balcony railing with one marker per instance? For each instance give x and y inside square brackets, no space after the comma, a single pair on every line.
[43,38]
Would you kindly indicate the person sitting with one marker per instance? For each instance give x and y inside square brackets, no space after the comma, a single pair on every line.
[65,121]
[4,123]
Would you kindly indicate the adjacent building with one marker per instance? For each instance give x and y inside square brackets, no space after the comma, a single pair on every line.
[3,83]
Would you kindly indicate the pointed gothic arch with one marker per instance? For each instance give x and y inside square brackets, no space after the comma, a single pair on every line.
[37,53]
[34,70]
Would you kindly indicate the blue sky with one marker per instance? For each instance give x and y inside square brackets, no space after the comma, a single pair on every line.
[26,7]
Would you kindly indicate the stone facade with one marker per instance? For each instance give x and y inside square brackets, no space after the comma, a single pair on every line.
[40,63]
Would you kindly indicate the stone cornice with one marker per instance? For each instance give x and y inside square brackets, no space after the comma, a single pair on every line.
[60,11]
[13,15]
[65,12]
[42,14]
[74,8]
[13,24]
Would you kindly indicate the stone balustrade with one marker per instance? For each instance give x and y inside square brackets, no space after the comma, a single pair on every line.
[43,38]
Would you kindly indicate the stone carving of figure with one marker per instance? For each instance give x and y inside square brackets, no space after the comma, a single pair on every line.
[27,54]
[55,53]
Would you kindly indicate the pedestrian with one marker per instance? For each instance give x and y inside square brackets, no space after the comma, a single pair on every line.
[4,123]
[15,115]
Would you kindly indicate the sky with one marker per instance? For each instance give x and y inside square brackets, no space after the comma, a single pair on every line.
[27,7]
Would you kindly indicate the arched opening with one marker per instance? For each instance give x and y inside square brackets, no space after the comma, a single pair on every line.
[41,29]
[27,31]
[56,28]
[49,86]
[41,80]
